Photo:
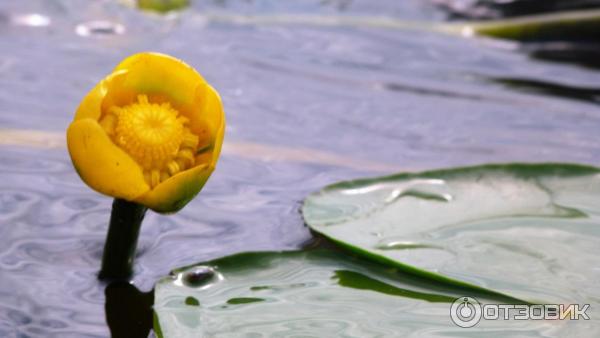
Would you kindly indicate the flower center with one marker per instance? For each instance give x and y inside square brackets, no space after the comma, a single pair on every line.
[154,136]
[149,133]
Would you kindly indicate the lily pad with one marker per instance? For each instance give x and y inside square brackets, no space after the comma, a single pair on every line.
[162,6]
[316,293]
[564,26]
[527,230]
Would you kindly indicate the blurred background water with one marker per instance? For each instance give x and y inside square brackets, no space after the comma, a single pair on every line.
[306,104]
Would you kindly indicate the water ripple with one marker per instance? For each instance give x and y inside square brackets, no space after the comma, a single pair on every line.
[345,100]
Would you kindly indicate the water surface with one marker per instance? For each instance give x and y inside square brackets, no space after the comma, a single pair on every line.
[306,105]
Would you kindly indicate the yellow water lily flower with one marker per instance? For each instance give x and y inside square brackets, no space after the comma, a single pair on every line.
[149,133]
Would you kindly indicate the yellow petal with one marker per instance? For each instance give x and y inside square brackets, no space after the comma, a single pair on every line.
[167,79]
[207,115]
[208,121]
[91,105]
[101,164]
[110,170]
[154,73]
[174,193]
[218,142]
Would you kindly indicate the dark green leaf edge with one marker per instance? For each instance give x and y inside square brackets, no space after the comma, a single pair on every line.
[156,322]
[578,24]
[472,289]
[521,170]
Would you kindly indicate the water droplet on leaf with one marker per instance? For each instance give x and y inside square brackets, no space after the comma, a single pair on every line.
[99,28]
[198,276]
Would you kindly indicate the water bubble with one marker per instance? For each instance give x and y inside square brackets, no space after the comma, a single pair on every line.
[198,277]
[467,31]
[99,28]
[31,20]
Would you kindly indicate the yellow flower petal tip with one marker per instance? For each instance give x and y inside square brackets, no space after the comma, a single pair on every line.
[150,133]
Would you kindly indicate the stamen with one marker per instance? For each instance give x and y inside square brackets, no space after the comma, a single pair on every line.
[173,167]
[182,164]
[190,141]
[186,156]
[184,120]
[154,135]
[108,123]
[154,178]
[114,110]
[142,99]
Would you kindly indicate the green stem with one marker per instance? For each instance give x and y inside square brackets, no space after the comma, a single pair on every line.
[123,231]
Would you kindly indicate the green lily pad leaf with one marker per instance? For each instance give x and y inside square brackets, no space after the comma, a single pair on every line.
[162,6]
[316,293]
[526,230]
[565,26]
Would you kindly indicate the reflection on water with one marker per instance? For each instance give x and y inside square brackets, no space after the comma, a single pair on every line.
[585,54]
[32,20]
[554,89]
[99,28]
[490,9]
[356,280]
[53,232]
[409,99]
[128,310]
[316,293]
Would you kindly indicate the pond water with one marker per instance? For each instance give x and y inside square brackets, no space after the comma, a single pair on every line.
[307,104]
